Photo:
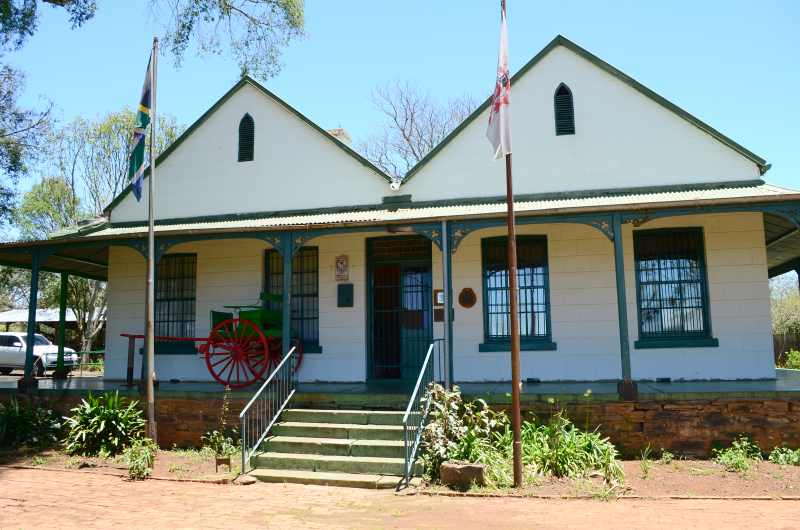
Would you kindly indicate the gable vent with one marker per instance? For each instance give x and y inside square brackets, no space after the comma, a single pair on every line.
[564,111]
[247,132]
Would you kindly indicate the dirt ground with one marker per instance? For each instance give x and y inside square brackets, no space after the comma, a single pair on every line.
[63,499]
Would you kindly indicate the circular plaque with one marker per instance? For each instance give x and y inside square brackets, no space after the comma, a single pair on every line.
[467,297]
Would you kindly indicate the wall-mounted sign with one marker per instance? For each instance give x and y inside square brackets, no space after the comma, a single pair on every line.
[342,269]
[467,298]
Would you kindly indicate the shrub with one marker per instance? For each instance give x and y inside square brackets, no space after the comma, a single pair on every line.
[561,449]
[474,433]
[739,456]
[666,457]
[139,457]
[456,430]
[21,423]
[791,359]
[785,456]
[103,426]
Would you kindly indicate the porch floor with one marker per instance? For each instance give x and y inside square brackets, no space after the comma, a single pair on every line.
[395,394]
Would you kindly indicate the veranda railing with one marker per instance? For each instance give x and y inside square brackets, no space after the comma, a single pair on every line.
[263,409]
[418,406]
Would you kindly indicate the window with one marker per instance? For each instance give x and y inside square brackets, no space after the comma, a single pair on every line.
[305,292]
[175,291]
[532,280]
[671,290]
[564,111]
[247,132]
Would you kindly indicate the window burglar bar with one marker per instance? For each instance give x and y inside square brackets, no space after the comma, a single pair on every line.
[175,293]
[671,283]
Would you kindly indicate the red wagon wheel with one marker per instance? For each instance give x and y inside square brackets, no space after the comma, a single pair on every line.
[275,346]
[237,353]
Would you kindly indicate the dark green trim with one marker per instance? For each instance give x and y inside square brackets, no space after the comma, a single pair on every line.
[396,199]
[622,299]
[247,80]
[525,345]
[312,347]
[677,342]
[560,40]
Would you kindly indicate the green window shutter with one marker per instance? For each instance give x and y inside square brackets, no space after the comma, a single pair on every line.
[532,282]
[247,131]
[564,111]
[671,284]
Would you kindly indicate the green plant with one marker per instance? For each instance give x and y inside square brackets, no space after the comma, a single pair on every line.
[223,441]
[139,456]
[645,463]
[739,456]
[666,457]
[23,424]
[785,457]
[103,426]
[791,359]
[561,449]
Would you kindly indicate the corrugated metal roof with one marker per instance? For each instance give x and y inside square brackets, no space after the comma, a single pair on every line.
[412,213]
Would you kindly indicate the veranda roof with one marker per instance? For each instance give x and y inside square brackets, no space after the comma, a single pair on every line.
[781,236]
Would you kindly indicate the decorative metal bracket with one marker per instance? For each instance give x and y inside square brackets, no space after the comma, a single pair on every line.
[790,213]
[432,232]
[604,225]
[457,234]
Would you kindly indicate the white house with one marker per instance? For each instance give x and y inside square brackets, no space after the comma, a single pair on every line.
[646,240]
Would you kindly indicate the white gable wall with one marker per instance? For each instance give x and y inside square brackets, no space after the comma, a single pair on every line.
[294,167]
[622,139]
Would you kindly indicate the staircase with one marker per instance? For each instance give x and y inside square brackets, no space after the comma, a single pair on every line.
[354,448]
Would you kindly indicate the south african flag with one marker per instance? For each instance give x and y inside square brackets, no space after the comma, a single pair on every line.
[136,167]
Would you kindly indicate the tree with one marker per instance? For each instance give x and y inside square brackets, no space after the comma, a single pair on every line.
[93,156]
[48,207]
[22,132]
[414,123]
[254,31]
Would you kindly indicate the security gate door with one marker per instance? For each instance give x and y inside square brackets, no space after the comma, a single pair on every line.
[400,315]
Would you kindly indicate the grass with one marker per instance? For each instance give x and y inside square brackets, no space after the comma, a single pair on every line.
[740,456]
[645,463]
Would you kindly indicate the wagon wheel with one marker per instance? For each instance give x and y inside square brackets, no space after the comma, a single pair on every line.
[237,354]
[276,352]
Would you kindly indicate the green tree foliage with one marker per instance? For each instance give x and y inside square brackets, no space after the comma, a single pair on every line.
[92,156]
[253,31]
[22,133]
[785,305]
[49,206]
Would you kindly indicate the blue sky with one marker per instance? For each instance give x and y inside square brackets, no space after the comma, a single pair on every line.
[733,64]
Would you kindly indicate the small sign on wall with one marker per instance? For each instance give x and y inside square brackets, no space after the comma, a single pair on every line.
[342,269]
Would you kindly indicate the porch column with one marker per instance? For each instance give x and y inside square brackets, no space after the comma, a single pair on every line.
[286,254]
[28,380]
[60,373]
[626,388]
[447,277]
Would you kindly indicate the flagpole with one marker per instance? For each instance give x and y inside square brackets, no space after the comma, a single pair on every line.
[516,415]
[150,339]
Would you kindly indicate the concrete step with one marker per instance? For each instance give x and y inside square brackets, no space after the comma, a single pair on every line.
[324,478]
[331,463]
[358,417]
[334,446]
[338,430]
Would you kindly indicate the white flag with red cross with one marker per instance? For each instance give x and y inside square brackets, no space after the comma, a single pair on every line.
[499,131]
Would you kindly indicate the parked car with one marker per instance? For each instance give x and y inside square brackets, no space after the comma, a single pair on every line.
[45,353]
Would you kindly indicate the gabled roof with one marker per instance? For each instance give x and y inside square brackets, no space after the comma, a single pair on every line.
[247,80]
[560,40]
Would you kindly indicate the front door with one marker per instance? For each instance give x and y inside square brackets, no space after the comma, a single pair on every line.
[400,315]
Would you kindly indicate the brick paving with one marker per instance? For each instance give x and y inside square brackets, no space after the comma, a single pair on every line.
[54,499]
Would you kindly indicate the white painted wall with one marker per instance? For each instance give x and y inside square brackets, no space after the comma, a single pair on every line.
[295,167]
[582,296]
[622,139]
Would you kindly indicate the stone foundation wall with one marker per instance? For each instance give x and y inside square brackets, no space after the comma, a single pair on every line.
[685,427]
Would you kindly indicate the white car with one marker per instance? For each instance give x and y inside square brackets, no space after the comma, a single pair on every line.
[45,353]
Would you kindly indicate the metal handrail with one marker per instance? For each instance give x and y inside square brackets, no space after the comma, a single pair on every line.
[266,405]
[417,412]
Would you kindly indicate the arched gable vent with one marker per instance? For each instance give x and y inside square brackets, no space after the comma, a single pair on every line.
[564,110]
[247,132]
